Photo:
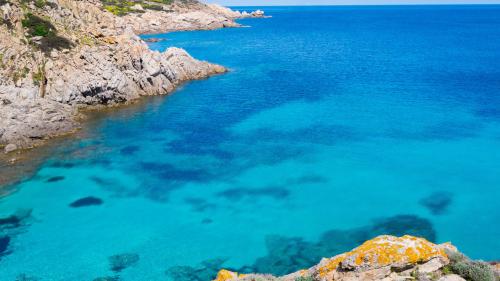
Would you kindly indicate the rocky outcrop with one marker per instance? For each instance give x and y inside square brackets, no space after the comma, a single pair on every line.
[387,258]
[59,56]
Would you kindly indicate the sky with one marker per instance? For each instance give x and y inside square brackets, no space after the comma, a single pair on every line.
[344,2]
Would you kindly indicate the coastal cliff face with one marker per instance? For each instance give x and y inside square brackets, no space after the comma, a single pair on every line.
[60,56]
[388,258]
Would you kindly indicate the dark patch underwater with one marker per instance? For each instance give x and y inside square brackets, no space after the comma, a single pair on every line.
[289,254]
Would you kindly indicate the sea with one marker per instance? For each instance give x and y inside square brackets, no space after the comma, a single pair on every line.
[333,125]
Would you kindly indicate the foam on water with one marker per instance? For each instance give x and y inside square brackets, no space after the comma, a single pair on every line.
[333,126]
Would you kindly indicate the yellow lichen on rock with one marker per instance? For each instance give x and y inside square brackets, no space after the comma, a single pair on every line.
[110,40]
[389,250]
[226,275]
[383,251]
[373,260]
[330,265]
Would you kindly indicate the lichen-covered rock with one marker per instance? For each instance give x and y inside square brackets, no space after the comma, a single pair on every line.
[226,275]
[385,258]
[389,250]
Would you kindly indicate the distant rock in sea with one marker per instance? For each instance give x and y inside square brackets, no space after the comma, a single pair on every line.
[85,202]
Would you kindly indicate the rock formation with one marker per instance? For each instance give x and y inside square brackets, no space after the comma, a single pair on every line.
[60,56]
[387,258]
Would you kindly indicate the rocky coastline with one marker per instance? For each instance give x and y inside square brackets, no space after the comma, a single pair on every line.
[61,57]
[388,258]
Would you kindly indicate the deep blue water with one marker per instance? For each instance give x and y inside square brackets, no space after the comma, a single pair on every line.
[335,124]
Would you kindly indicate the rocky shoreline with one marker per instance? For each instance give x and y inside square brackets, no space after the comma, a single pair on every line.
[58,57]
[388,258]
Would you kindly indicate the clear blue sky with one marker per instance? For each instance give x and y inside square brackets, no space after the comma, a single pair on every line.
[344,2]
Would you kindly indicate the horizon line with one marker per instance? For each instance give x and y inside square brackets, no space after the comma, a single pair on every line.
[368,5]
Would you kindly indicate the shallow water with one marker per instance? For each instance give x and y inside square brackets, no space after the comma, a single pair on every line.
[335,124]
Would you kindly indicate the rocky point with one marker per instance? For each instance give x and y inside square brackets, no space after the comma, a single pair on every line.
[58,57]
[387,258]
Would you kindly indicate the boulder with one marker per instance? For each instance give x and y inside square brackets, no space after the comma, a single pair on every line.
[258,13]
[10,148]
[451,277]
[387,258]
[398,252]
[137,7]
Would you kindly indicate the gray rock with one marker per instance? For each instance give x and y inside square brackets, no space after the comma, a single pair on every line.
[451,277]
[10,148]
[109,65]
[431,266]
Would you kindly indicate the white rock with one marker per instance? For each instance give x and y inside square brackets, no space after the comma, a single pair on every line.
[431,266]
[10,147]
[54,54]
[258,13]
[137,7]
[6,11]
[451,277]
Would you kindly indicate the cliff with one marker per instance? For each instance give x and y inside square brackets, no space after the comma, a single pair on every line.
[58,57]
[388,258]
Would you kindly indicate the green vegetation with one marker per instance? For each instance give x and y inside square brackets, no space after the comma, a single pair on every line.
[40,27]
[469,269]
[20,74]
[40,3]
[118,7]
[36,26]
[38,76]
[124,7]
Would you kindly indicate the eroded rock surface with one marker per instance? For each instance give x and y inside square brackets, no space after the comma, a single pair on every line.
[387,258]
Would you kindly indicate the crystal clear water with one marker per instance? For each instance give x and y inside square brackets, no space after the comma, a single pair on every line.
[335,124]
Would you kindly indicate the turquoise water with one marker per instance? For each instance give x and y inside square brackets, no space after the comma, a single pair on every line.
[335,124]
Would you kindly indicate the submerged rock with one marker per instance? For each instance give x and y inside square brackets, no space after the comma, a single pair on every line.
[86,201]
[120,262]
[4,244]
[437,202]
[207,270]
[108,278]
[10,220]
[55,179]
[25,277]
[15,219]
[129,150]
[275,192]
[207,221]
